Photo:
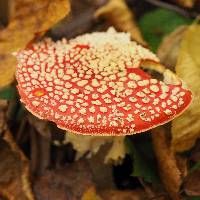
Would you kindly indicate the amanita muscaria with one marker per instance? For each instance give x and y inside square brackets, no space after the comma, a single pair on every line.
[94,85]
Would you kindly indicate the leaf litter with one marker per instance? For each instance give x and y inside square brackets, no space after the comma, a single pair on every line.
[29,19]
[51,183]
[186,128]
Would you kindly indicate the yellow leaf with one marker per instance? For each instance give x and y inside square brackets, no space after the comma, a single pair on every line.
[186,128]
[119,15]
[169,47]
[91,194]
[117,152]
[31,18]
[186,3]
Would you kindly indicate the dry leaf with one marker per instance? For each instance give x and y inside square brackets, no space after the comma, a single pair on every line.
[186,3]
[186,128]
[169,48]
[30,17]
[195,153]
[75,182]
[3,107]
[123,195]
[119,15]
[192,184]
[14,171]
[91,145]
[69,182]
[80,20]
[91,194]
[86,144]
[102,174]
[117,152]
[169,172]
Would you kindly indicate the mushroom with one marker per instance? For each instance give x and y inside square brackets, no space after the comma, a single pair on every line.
[95,85]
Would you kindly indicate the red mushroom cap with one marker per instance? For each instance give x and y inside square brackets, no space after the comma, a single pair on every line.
[93,85]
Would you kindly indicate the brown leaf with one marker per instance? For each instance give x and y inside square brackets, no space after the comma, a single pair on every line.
[192,184]
[30,17]
[186,3]
[80,20]
[119,15]
[195,153]
[169,47]
[123,195]
[186,128]
[102,174]
[14,171]
[69,182]
[3,106]
[169,172]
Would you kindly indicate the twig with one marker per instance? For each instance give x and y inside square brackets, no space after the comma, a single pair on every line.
[175,8]
[4,12]
[44,145]
[20,131]
[34,151]
[147,189]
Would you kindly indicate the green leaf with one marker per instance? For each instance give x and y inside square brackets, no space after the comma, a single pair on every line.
[158,23]
[8,93]
[195,166]
[144,162]
[193,198]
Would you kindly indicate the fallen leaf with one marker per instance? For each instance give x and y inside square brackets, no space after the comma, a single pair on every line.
[75,182]
[123,195]
[186,128]
[86,144]
[14,171]
[195,166]
[102,174]
[158,23]
[169,48]
[119,15]
[68,182]
[3,108]
[144,163]
[91,194]
[191,185]
[90,145]
[195,153]
[169,172]
[182,164]
[29,19]
[8,93]
[186,3]
[80,20]
[117,152]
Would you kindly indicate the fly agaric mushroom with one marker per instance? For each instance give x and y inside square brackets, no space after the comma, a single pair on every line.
[94,85]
